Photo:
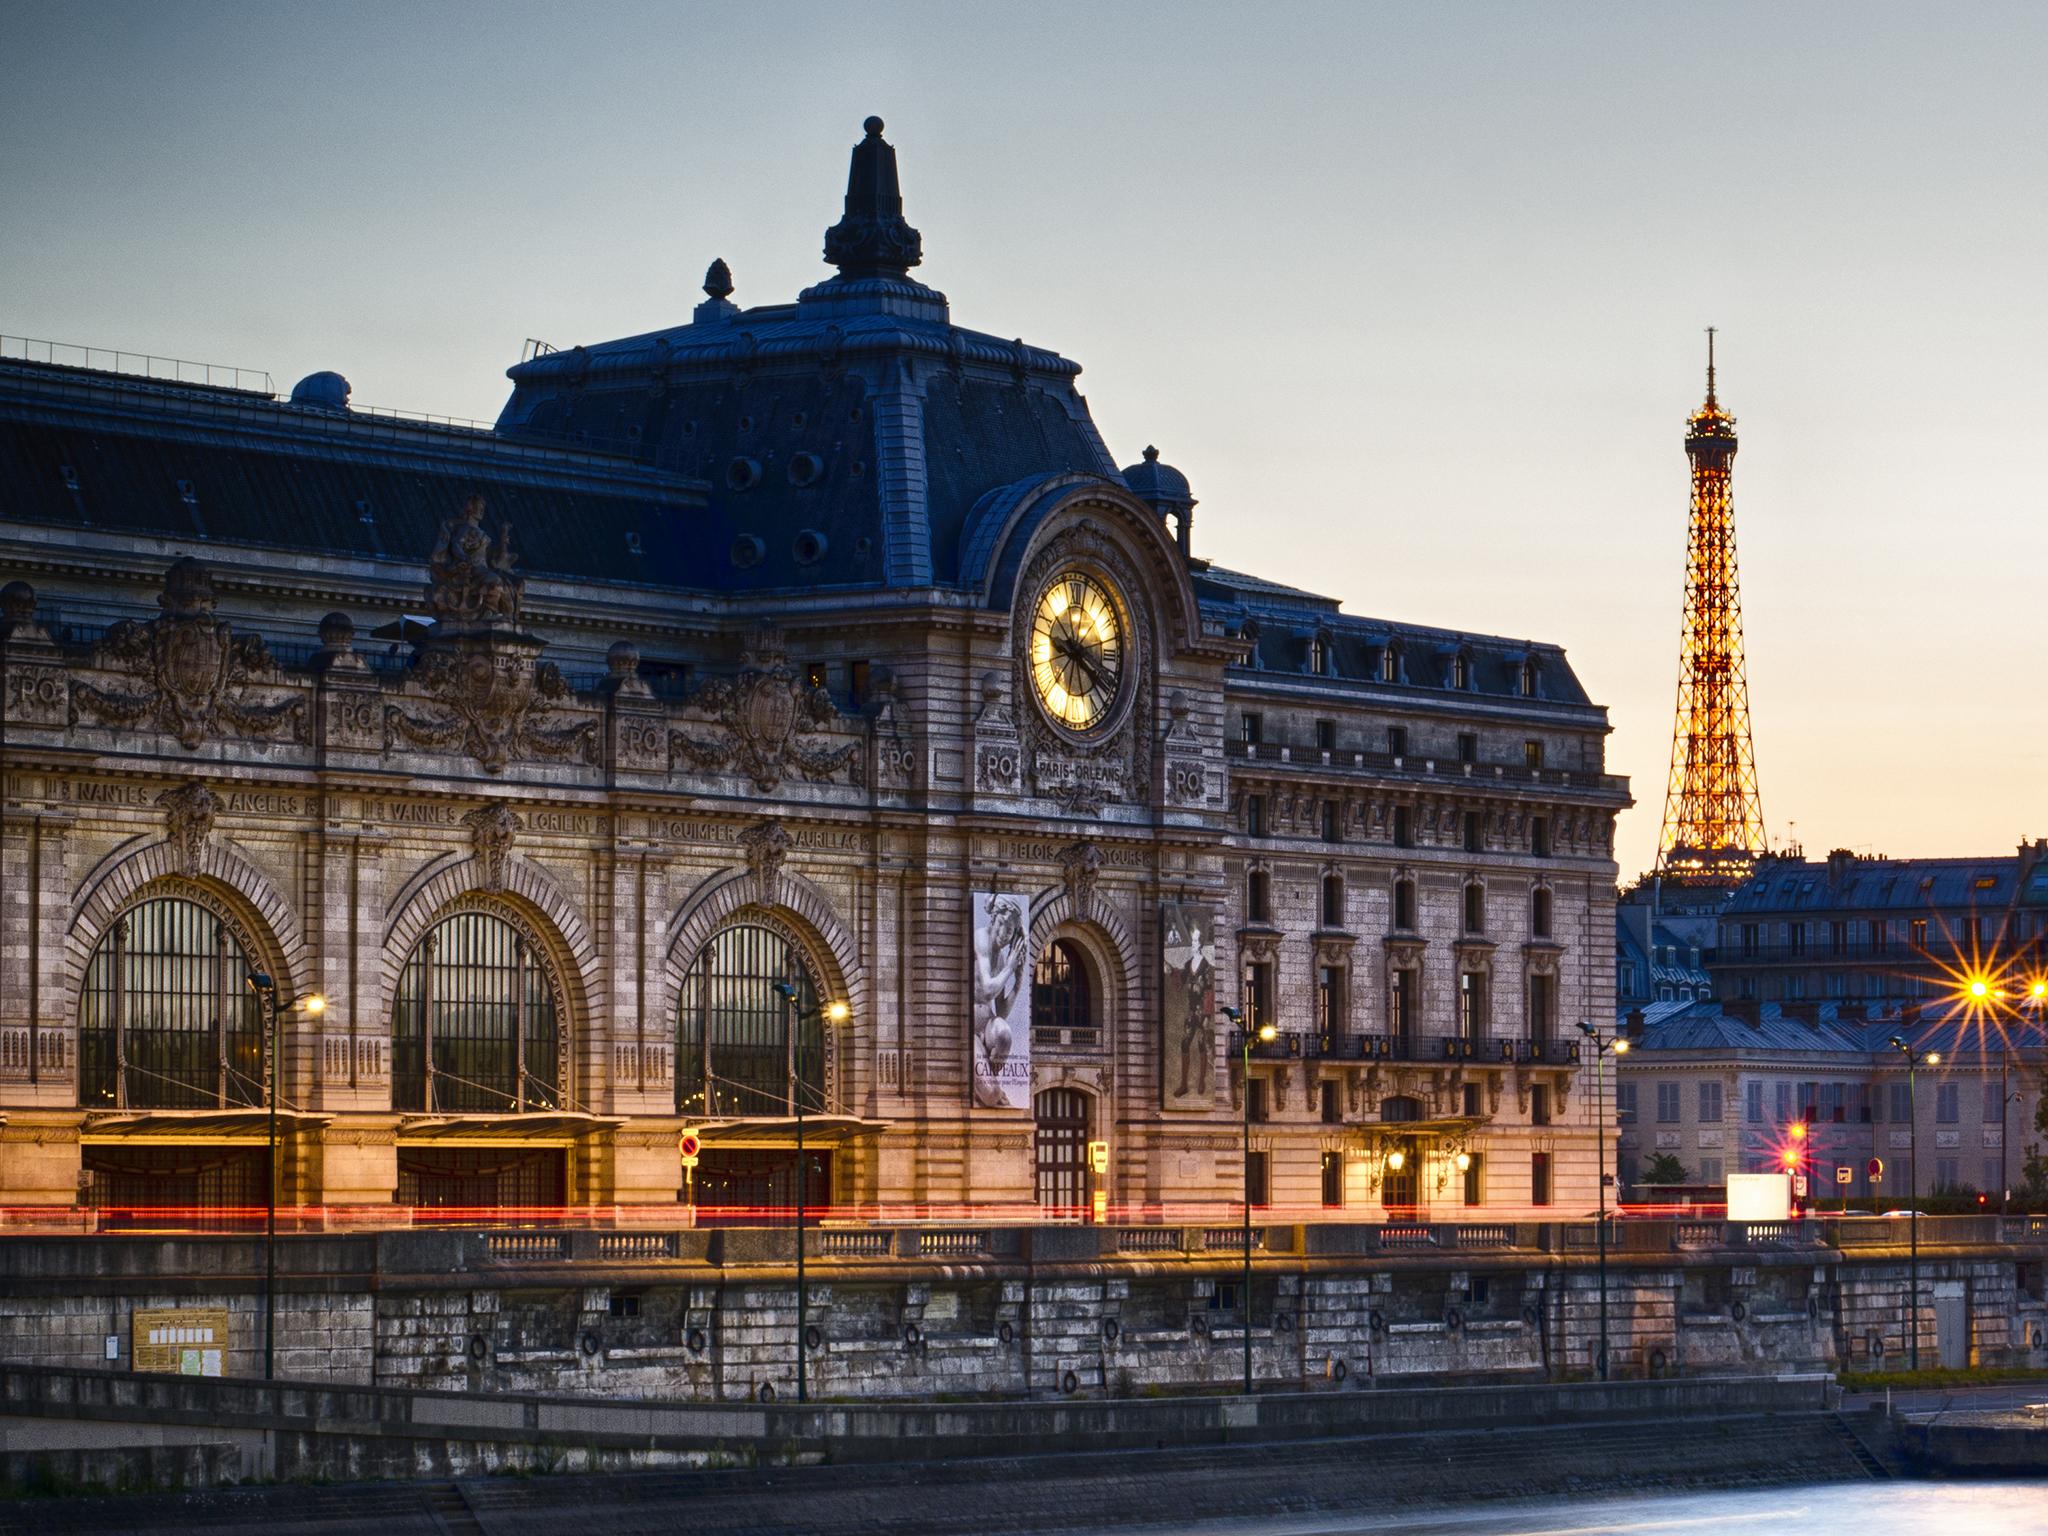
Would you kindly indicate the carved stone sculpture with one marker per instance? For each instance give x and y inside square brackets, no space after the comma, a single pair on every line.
[492,829]
[190,669]
[1080,866]
[767,715]
[766,845]
[470,578]
[189,810]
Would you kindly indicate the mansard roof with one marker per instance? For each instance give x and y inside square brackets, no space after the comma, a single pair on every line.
[1846,883]
[1848,1030]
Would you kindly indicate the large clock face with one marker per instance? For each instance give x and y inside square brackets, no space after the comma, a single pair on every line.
[1077,651]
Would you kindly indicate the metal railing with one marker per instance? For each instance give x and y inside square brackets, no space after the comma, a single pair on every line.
[167,370]
[1373,1047]
[1415,764]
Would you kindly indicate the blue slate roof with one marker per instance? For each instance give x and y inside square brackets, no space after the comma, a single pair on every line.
[1846,883]
[1954,1030]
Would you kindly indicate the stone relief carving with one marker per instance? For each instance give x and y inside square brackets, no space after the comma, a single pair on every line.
[192,671]
[492,829]
[189,810]
[895,751]
[1080,867]
[483,677]
[766,845]
[998,749]
[37,691]
[768,715]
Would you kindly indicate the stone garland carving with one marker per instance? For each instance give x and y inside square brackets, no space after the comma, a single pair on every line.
[492,829]
[193,672]
[1083,776]
[492,693]
[189,810]
[768,715]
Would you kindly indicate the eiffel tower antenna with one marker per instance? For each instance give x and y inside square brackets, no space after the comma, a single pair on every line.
[1713,818]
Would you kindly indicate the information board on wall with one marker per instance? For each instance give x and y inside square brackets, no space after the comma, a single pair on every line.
[182,1341]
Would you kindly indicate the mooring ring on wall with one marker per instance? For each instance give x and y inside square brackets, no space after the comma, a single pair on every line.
[1375,1322]
[1454,1319]
[1111,1328]
[1070,1382]
[1813,1309]
[1737,1310]
[814,1337]
[913,1335]
[1283,1322]
[1532,1317]
[2040,1337]
[1339,1370]
[1877,1346]
[590,1343]
[477,1347]
[765,1392]
[1006,1333]
[694,1339]
[1658,1360]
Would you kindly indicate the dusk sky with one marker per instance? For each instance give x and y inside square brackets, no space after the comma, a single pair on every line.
[1414,296]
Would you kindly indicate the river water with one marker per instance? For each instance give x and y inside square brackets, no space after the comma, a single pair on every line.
[1847,1509]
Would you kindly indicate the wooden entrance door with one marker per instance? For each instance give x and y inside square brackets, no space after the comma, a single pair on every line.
[1063,1153]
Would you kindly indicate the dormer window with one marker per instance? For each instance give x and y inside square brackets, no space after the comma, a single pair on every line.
[1528,679]
[1390,664]
[1318,655]
[1461,671]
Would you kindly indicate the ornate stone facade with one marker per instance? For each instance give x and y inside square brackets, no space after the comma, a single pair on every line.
[766,696]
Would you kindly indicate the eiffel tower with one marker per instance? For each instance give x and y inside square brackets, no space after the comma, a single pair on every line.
[1713,817]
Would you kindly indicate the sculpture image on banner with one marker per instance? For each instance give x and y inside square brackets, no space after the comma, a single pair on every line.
[1189,1058]
[1002,1003]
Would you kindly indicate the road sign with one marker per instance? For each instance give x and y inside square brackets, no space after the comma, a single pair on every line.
[690,1146]
[1799,1185]
[1098,1156]
[1844,1174]
[1876,1170]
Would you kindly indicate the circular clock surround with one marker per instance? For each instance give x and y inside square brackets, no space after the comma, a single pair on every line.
[1079,652]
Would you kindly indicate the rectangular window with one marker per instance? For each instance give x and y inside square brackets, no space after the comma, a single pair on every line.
[1260,1107]
[1401,1000]
[1795,987]
[1947,1104]
[1667,1103]
[1947,1175]
[1397,741]
[1404,904]
[1710,1170]
[1333,1178]
[1902,1103]
[1994,1101]
[1710,1103]
[1326,735]
[1838,938]
[1404,827]
[1539,1104]
[1994,1176]
[814,673]
[1539,836]
[1795,938]
[1837,1103]
[1475,836]
[1468,747]
[1258,994]
[1471,1005]
[1333,901]
[1330,821]
[1469,1100]
[1257,1186]
[1330,1010]
[1258,904]
[1532,755]
[1251,728]
[1539,1178]
[1784,1103]
[1475,909]
[1329,1104]
[1542,1007]
[1475,1180]
[1624,1103]
[1918,930]
[1255,815]
[860,683]
[1753,1101]
[1749,939]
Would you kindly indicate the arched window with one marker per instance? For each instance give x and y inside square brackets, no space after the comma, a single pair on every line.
[741,1048]
[167,1020]
[1063,997]
[1461,670]
[1390,663]
[473,1029]
[1528,680]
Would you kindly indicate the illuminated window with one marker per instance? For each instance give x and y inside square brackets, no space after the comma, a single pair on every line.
[734,1051]
[473,1026]
[1461,671]
[1063,997]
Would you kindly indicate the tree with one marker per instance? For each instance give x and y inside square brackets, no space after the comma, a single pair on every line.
[1663,1168]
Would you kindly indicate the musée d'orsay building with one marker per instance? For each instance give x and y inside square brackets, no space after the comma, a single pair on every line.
[803,655]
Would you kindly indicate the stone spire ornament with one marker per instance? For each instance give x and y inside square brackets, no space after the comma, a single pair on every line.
[871,238]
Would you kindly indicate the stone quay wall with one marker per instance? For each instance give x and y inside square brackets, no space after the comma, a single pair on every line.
[1073,1312]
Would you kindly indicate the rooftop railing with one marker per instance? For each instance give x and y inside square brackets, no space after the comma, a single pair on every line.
[1417,764]
[168,370]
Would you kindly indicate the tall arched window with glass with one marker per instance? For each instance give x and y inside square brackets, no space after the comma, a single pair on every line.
[738,1050]
[1062,997]
[166,1018]
[474,1029]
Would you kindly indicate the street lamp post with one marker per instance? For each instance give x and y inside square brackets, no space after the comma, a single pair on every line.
[1913,1061]
[792,1044]
[265,991]
[1245,1036]
[1602,1044]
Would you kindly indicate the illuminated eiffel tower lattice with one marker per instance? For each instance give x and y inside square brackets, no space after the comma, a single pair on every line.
[1713,818]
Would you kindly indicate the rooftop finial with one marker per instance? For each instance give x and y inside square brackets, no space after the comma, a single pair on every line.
[871,239]
[718,279]
[1710,366]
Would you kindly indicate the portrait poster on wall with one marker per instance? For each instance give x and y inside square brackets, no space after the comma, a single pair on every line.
[1189,991]
[1001,1003]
